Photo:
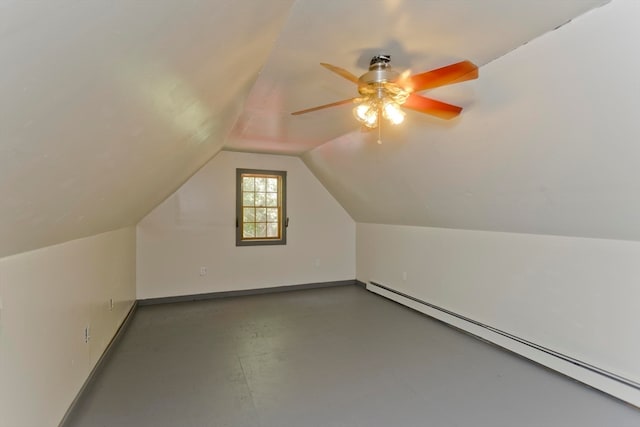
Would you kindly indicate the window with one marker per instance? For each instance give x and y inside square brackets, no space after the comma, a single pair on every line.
[260,207]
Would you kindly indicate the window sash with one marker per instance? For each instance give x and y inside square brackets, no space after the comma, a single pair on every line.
[256,207]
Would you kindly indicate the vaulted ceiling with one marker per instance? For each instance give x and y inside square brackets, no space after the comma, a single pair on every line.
[419,35]
[107,108]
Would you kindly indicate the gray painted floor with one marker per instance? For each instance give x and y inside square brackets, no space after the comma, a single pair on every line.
[324,358]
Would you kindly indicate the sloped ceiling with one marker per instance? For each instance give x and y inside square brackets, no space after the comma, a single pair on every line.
[107,108]
[418,34]
[548,145]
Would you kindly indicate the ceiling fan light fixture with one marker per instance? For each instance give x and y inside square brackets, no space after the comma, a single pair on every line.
[371,109]
[393,112]
[367,114]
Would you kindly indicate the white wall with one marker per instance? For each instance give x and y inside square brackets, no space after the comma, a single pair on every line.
[548,146]
[577,296]
[195,227]
[48,297]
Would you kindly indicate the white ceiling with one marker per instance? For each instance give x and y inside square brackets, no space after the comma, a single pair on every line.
[549,146]
[107,108]
[420,35]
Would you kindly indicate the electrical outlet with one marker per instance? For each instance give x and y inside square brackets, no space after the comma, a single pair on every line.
[316,263]
[203,271]
[110,304]
[404,275]
[87,334]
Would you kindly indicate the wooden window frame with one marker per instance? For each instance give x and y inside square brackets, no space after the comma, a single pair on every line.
[282,219]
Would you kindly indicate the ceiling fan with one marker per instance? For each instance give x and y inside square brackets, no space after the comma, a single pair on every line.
[383,90]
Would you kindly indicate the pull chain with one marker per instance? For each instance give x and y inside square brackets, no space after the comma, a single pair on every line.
[379,127]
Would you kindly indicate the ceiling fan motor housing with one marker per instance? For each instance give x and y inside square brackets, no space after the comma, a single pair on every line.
[380,72]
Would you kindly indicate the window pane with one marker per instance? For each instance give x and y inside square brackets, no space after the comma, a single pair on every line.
[248,183]
[272,185]
[248,198]
[249,230]
[272,199]
[272,229]
[272,215]
[248,215]
[260,207]
[261,215]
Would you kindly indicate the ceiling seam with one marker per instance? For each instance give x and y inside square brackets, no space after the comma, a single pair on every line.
[547,32]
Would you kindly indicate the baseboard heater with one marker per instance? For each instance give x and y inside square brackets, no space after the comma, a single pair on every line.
[601,379]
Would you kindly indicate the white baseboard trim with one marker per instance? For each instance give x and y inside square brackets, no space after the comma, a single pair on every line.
[621,388]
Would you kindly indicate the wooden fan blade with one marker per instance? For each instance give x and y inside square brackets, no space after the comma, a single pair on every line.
[431,106]
[454,73]
[341,71]
[320,107]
